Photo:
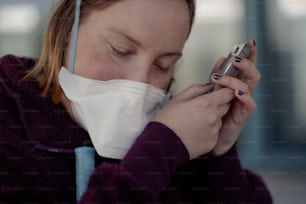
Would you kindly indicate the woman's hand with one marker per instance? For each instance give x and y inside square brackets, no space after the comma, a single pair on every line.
[196,117]
[243,105]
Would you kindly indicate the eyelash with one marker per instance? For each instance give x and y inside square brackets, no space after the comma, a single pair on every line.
[120,53]
[127,53]
[161,68]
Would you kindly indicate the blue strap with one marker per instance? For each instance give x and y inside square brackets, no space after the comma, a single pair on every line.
[85,165]
[75,31]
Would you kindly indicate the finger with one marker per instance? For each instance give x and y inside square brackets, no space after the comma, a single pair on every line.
[249,71]
[223,109]
[193,91]
[253,55]
[248,106]
[219,97]
[232,83]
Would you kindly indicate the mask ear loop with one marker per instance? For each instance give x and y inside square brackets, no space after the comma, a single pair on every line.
[75,31]
[85,156]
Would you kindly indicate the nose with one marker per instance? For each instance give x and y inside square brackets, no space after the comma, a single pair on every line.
[140,72]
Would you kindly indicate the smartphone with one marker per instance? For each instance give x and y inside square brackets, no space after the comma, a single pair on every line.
[227,68]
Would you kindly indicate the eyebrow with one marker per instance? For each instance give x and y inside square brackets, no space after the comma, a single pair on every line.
[115,30]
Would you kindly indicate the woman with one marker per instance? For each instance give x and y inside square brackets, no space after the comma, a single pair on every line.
[103,83]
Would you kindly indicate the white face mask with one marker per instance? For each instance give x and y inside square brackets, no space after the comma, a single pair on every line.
[113,112]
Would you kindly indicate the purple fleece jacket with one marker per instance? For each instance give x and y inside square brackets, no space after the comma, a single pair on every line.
[37,163]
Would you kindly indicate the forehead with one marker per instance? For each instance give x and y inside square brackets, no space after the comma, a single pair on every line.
[162,20]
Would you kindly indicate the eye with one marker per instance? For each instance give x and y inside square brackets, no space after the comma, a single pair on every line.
[165,64]
[161,68]
[120,51]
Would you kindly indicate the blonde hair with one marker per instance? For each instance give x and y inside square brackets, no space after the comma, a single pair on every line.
[55,42]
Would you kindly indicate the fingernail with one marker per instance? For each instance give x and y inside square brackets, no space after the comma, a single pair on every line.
[238,59]
[254,43]
[217,77]
[240,93]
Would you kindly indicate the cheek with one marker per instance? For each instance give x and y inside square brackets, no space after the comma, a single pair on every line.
[98,65]
[160,80]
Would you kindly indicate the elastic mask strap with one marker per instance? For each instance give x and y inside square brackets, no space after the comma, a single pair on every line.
[165,100]
[84,166]
[75,31]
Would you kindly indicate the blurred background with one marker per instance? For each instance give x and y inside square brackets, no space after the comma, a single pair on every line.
[273,143]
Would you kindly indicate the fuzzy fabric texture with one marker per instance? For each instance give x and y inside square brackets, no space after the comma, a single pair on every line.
[37,166]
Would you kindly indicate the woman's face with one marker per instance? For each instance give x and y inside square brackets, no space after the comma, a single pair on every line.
[137,40]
